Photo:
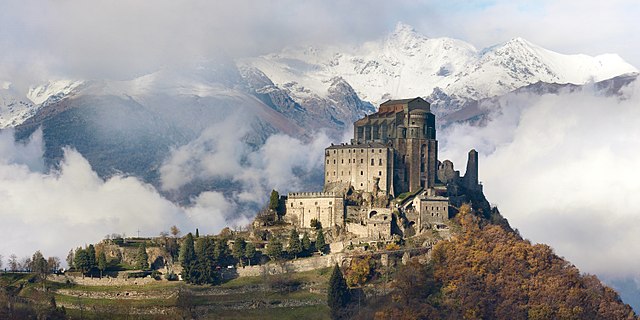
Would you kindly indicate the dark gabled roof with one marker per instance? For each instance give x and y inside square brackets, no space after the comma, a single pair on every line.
[400,101]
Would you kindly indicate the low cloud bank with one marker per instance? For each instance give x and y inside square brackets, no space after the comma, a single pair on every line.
[563,169]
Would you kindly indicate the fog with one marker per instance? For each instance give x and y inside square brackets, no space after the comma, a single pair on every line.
[562,169]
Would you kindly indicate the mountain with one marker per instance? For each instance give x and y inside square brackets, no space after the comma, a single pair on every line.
[445,71]
[131,126]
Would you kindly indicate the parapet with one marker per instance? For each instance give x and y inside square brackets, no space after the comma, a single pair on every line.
[314,195]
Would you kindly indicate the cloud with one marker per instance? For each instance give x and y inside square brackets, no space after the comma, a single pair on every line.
[121,39]
[60,210]
[561,168]
[283,163]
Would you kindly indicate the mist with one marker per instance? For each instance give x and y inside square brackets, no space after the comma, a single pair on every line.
[562,169]
[72,206]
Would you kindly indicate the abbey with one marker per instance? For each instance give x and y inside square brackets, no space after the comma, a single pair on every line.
[388,172]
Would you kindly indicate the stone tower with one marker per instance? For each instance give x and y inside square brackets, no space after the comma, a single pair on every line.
[408,127]
[470,178]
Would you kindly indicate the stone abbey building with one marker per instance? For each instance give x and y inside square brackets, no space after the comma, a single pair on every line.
[393,151]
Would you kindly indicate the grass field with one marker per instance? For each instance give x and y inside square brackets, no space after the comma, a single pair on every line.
[291,296]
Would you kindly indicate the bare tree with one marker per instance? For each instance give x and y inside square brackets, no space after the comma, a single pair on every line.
[53,263]
[13,262]
[175,231]
[25,264]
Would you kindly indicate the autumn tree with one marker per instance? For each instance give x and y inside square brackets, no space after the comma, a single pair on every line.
[338,295]
[359,271]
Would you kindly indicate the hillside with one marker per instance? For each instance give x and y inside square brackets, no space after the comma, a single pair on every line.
[487,272]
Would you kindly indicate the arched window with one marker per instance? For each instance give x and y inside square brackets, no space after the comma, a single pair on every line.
[380,162]
[372,161]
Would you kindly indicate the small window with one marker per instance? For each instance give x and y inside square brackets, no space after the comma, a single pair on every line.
[361,184]
[361,160]
[334,152]
[342,173]
[291,204]
[334,161]
[327,161]
[380,173]
[372,161]
[342,160]
[300,202]
[334,173]
[380,150]
[361,150]
[316,203]
[341,151]
[361,173]
[380,162]
[330,202]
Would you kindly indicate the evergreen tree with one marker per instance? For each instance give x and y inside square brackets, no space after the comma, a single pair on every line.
[70,257]
[338,295]
[197,233]
[102,262]
[306,244]
[321,245]
[40,266]
[203,269]
[274,200]
[238,249]
[91,253]
[274,249]
[142,258]
[81,260]
[295,247]
[250,252]
[187,255]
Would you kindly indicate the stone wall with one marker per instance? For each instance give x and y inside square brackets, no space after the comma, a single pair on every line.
[104,281]
[359,165]
[326,207]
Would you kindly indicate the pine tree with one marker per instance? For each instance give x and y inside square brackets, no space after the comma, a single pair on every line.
[295,247]
[306,244]
[197,233]
[187,252]
[91,253]
[70,257]
[273,200]
[238,249]
[274,248]
[250,252]
[142,258]
[102,262]
[320,242]
[81,260]
[338,295]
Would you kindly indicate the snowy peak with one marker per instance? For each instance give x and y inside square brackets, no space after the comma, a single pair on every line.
[54,90]
[408,64]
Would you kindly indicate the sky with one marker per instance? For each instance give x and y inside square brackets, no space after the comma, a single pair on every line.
[121,39]
[560,182]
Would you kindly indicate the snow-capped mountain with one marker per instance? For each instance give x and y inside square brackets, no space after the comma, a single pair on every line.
[15,108]
[447,71]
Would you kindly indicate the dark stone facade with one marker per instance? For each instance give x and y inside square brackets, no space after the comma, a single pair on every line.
[408,126]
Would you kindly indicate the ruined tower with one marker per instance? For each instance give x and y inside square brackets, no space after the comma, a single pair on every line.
[470,179]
